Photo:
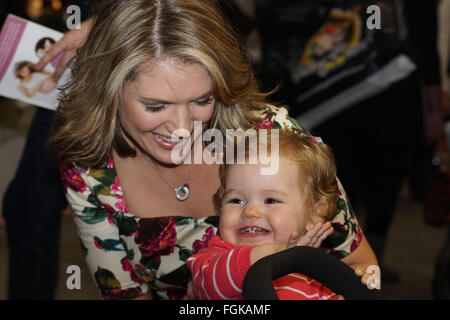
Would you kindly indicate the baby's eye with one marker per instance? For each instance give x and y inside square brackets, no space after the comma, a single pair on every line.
[271,201]
[236,201]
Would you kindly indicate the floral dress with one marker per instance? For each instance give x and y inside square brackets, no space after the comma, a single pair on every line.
[129,256]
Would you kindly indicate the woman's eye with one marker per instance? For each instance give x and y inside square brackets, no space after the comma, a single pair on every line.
[271,201]
[154,109]
[205,102]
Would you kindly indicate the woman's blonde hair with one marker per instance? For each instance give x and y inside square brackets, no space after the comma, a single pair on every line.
[127,35]
[317,172]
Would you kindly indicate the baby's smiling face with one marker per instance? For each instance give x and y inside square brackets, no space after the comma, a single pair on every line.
[259,208]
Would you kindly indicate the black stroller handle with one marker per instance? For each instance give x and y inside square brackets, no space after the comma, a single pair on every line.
[311,262]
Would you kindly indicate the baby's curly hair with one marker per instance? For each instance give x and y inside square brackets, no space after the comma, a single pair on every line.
[317,178]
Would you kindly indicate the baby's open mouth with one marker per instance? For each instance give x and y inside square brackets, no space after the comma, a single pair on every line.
[252,230]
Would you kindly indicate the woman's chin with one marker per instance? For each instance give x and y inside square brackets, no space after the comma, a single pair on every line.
[162,157]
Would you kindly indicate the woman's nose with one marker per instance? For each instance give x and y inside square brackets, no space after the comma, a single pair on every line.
[182,118]
[251,211]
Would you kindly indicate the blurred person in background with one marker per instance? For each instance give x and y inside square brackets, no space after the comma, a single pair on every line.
[356,74]
[437,205]
[34,199]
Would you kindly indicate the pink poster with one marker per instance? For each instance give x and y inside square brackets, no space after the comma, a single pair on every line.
[22,44]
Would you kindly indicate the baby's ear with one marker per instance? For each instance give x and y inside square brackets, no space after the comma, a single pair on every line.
[319,212]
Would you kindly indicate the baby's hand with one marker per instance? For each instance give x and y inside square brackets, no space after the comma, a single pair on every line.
[313,237]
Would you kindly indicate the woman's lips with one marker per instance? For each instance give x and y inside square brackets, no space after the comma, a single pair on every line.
[165,142]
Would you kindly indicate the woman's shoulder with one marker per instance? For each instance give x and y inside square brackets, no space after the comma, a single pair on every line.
[73,176]
[277,117]
[99,184]
[72,171]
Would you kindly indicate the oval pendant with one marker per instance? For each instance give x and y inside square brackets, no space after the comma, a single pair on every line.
[185,189]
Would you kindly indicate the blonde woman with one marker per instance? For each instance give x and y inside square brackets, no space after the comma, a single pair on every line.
[146,69]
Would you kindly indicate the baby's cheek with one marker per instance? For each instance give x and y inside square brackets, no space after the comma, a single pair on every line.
[226,227]
[227,235]
[284,228]
[283,233]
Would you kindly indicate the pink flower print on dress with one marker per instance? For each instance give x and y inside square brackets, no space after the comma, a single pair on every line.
[116,190]
[201,244]
[120,204]
[156,237]
[265,125]
[110,164]
[126,266]
[115,187]
[109,208]
[72,179]
[358,239]
[144,274]
[176,293]
[312,137]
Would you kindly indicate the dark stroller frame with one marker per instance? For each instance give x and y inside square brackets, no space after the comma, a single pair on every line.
[314,263]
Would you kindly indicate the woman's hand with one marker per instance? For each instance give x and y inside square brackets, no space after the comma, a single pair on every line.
[370,275]
[68,45]
[312,237]
[190,295]
[363,261]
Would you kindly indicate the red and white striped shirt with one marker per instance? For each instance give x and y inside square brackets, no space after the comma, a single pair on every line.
[218,272]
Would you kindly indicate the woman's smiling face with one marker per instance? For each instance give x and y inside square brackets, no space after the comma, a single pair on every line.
[166,96]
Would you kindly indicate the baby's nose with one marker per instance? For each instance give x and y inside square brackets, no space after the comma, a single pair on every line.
[251,211]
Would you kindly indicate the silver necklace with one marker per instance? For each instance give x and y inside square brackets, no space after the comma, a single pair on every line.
[181,192]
